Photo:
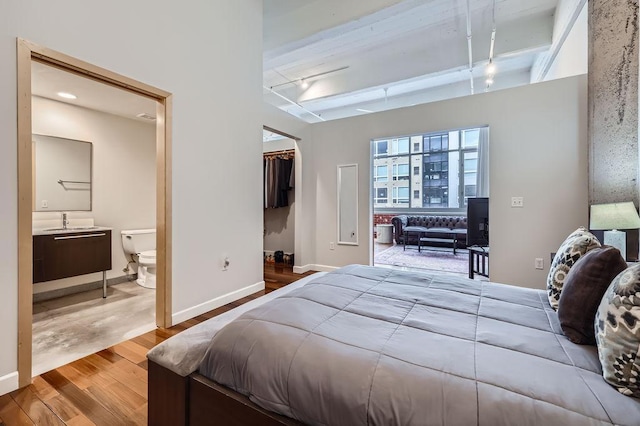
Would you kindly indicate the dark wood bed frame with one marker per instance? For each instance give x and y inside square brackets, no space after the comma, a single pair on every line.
[195,400]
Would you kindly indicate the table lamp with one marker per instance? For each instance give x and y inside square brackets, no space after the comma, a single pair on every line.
[612,217]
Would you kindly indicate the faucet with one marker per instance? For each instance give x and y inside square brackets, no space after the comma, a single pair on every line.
[65,222]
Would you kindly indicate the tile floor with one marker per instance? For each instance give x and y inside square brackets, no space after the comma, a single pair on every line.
[74,326]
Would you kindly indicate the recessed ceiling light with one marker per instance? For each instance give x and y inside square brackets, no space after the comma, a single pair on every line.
[67,95]
[145,116]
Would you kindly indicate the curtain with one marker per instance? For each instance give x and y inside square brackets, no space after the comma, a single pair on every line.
[482,175]
[278,180]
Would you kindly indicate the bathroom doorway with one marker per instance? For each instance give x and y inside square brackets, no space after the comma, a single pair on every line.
[30,58]
[281,161]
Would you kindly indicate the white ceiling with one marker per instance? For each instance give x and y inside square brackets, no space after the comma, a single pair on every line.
[416,49]
[47,81]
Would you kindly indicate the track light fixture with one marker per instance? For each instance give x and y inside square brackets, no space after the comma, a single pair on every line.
[304,81]
[491,68]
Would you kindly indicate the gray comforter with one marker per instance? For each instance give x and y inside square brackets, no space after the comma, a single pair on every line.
[364,345]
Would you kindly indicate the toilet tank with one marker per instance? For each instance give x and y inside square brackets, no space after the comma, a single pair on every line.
[138,240]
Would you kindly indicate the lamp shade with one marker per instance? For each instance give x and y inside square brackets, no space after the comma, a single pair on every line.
[614,216]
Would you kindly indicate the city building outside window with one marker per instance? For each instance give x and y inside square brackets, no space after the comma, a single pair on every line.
[444,167]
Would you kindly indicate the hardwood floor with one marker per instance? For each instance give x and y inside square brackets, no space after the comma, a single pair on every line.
[108,387]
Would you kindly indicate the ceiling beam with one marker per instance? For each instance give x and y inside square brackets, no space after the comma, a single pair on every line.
[567,14]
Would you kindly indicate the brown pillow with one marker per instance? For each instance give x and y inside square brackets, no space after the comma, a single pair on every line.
[583,289]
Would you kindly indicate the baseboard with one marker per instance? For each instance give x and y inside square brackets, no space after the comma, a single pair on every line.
[212,304]
[9,383]
[313,267]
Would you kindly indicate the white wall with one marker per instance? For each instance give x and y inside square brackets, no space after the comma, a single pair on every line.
[279,224]
[124,174]
[538,150]
[209,55]
[572,59]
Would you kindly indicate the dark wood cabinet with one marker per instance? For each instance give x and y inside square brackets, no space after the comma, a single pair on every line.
[70,254]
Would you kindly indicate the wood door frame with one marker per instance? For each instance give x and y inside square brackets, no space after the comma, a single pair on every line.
[26,53]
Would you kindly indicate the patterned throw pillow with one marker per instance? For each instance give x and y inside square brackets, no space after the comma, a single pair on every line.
[617,327]
[578,243]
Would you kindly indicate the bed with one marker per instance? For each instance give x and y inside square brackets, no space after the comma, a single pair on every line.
[365,345]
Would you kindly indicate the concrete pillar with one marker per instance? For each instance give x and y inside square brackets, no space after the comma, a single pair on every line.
[613,101]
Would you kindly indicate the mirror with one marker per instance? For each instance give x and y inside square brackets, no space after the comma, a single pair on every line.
[62,174]
[348,204]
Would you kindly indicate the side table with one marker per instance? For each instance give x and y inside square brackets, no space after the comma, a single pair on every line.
[478,261]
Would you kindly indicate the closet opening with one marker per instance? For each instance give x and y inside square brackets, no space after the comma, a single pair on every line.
[280,163]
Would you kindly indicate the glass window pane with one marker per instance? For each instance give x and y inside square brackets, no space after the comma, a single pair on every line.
[381,174]
[403,146]
[471,137]
[470,165]
[436,143]
[382,148]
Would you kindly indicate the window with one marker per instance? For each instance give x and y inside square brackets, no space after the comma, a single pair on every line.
[440,172]
[381,148]
[470,138]
[400,172]
[381,174]
[400,195]
[400,146]
[381,196]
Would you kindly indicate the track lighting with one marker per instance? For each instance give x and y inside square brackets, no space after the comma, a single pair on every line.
[491,68]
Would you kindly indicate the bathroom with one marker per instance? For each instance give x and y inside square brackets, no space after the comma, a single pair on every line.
[94,170]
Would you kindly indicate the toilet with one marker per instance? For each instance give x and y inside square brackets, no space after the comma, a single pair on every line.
[140,245]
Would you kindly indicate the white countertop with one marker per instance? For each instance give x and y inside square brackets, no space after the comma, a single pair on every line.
[69,230]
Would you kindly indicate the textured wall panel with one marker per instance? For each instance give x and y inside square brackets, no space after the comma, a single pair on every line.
[613,101]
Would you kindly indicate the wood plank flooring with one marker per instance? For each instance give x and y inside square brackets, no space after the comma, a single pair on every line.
[108,387]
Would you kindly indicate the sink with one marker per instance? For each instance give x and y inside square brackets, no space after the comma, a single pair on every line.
[71,228]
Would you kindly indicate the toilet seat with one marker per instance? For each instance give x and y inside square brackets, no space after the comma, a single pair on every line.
[147,257]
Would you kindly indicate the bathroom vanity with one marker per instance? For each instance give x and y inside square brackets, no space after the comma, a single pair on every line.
[62,253]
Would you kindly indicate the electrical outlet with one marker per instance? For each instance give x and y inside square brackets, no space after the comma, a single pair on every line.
[517,201]
[225,263]
[332,245]
[539,263]
[45,204]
